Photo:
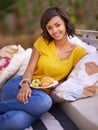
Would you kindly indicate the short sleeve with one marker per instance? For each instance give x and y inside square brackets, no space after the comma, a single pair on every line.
[79,53]
[40,44]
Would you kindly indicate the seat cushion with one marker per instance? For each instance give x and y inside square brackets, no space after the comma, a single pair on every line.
[83,112]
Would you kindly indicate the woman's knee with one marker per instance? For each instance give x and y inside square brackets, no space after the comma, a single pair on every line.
[43,100]
[16,120]
[47,101]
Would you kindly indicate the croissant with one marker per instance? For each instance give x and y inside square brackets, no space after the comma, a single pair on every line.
[45,81]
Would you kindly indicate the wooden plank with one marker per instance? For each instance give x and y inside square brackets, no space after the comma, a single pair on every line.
[88,36]
[87,33]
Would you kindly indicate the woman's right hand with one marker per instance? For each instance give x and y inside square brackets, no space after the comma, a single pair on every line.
[24,93]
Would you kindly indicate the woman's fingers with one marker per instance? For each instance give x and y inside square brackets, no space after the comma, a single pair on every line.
[23,94]
[26,96]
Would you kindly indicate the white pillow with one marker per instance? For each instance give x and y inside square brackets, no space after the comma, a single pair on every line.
[75,40]
[6,55]
[82,81]
[14,64]
[25,62]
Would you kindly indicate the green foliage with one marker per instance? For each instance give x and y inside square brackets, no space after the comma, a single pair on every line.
[20,4]
[4,4]
[73,19]
[29,12]
[74,8]
[5,7]
[76,3]
[36,7]
[53,2]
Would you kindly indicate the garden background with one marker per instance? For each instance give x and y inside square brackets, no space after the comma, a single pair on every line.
[20,19]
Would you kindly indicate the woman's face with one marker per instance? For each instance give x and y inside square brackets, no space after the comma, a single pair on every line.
[56,28]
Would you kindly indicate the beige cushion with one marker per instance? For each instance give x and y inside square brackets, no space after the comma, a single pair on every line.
[16,55]
[83,112]
[6,55]
[25,62]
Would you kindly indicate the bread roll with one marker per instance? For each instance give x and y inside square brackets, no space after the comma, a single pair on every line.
[45,81]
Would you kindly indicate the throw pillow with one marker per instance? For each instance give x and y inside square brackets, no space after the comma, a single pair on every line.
[6,54]
[11,58]
[75,40]
[25,62]
[82,81]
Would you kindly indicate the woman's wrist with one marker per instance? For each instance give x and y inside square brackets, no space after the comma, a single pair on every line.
[24,81]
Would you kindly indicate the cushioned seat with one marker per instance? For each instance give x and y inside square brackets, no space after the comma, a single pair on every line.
[83,112]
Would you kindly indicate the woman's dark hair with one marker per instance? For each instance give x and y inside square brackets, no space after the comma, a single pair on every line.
[56,11]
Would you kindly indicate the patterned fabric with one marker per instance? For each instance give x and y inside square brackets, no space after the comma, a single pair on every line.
[4,61]
[54,119]
[6,54]
[11,58]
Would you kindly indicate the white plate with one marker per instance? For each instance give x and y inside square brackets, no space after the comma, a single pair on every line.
[49,86]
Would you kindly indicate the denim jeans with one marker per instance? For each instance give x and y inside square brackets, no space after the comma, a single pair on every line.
[14,115]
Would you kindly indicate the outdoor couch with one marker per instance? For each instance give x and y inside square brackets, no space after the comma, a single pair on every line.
[84,112]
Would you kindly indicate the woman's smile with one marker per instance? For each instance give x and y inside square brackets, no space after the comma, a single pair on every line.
[56,28]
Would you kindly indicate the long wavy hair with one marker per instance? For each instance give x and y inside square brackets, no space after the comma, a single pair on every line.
[56,11]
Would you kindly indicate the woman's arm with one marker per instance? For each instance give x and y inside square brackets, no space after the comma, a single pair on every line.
[25,90]
[32,65]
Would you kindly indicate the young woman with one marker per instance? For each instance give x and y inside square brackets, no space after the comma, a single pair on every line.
[53,55]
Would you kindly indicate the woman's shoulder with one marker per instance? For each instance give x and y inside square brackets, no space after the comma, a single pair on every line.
[79,51]
[80,48]
[41,43]
[41,39]
[77,48]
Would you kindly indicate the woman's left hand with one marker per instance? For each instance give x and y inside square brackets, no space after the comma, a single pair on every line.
[24,93]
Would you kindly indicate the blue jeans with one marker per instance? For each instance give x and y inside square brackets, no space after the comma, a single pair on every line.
[14,115]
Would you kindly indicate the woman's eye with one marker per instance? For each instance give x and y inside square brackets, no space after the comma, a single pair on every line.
[58,25]
[49,28]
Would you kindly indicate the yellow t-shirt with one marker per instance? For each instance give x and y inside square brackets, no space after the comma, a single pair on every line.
[49,63]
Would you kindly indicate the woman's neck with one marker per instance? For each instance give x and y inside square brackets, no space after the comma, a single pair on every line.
[61,43]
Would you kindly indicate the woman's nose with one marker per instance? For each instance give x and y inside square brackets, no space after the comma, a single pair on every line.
[54,30]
